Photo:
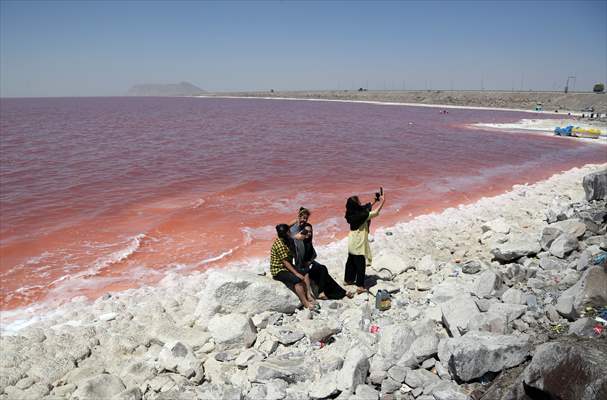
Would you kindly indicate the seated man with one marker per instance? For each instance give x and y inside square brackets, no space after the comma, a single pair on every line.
[282,269]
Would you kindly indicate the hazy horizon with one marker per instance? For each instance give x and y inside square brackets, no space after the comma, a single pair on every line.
[58,49]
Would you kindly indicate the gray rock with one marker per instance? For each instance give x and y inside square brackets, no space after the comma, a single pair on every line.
[291,370]
[425,345]
[325,387]
[591,289]
[514,296]
[429,363]
[389,386]
[442,371]
[177,357]
[391,262]
[497,225]
[133,393]
[595,185]
[276,389]
[549,234]
[484,304]
[489,322]
[510,311]
[569,368]
[397,373]
[426,265]
[317,329]
[285,335]
[395,340]
[476,353]
[572,226]
[366,392]
[563,245]
[103,386]
[549,263]
[447,291]
[51,369]
[449,391]
[583,327]
[419,378]
[232,330]
[457,313]
[516,248]
[354,370]
[471,267]
[552,313]
[247,357]
[242,292]
[487,284]
[64,391]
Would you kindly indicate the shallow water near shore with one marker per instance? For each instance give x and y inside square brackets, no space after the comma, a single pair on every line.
[103,194]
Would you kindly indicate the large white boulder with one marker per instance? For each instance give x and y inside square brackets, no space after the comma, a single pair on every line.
[242,292]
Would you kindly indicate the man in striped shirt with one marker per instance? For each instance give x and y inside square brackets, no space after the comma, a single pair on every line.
[282,269]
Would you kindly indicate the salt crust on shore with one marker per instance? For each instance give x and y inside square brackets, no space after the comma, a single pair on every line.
[125,327]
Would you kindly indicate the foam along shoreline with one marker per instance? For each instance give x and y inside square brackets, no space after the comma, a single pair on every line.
[233,333]
[388,103]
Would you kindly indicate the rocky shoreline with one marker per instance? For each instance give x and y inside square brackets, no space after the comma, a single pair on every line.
[492,300]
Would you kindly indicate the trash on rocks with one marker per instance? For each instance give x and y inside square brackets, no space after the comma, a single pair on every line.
[374,329]
[383,300]
[598,329]
[388,233]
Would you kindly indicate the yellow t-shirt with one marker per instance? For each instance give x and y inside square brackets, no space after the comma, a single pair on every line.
[358,240]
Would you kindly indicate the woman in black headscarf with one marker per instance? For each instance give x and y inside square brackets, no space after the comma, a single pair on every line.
[318,273]
[358,217]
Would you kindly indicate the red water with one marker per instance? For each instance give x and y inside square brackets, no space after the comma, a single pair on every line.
[103,194]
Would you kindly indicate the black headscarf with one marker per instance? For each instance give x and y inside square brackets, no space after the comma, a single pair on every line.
[356,214]
[310,252]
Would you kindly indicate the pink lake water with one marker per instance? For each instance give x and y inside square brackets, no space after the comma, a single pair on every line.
[103,194]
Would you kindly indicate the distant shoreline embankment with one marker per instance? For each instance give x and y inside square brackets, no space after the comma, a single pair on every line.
[550,101]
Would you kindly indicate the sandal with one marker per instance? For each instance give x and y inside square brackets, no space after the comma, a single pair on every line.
[350,295]
[360,290]
[322,296]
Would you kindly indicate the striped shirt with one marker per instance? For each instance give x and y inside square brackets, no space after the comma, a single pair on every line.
[278,254]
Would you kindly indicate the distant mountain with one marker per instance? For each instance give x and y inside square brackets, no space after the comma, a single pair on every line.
[169,89]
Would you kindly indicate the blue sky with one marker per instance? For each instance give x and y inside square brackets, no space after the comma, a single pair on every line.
[92,48]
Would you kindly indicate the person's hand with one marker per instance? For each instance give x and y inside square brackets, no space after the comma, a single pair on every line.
[299,236]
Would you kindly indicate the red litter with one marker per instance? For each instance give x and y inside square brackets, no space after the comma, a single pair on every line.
[598,329]
[374,329]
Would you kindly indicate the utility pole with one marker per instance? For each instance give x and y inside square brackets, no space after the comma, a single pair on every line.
[567,83]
